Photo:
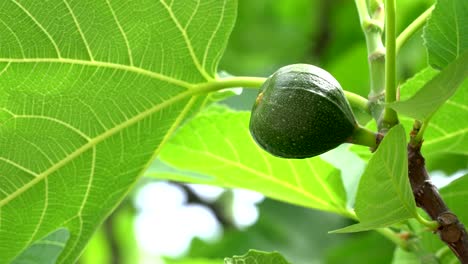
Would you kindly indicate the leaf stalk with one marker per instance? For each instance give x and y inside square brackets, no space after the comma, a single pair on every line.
[390,117]
[372,24]
[412,28]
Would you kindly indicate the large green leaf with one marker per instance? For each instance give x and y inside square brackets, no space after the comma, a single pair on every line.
[446,32]
[435,92]
[384,196]
[257,257]
[218,149]
[89,90]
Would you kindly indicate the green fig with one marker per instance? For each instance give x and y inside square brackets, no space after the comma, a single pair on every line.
[300,112]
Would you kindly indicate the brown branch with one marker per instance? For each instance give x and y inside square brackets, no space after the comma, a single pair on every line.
[321,39]
[216,208]
[109,227]
[451,231]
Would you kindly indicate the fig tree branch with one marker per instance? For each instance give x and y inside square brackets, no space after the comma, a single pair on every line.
[372,24]
[451,231]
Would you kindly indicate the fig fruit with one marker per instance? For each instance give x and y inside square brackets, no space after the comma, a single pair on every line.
[301,111]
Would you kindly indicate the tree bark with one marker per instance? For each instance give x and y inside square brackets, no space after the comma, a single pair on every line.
[451,231]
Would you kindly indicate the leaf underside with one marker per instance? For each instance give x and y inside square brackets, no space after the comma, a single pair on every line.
[446,32]
[89,91]
[384,196]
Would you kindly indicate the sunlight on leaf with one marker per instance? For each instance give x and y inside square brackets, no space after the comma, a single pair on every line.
[218,149]
[89,91]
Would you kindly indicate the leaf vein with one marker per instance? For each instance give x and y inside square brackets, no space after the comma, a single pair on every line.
[103,64]
[187,41]
[124,35]
[261,175]
[94,141]
[192,15]
[55,120]
[19,166]
[461,106]
[15,36]
[78,27]
[5,69]
[44,209]
[213,34]
[445,137]
[325,186]
[52,41]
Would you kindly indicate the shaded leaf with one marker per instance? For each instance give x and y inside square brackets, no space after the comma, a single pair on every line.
[356,249]
[218,149]
[424,246]
[435,92]
[45,250]
[89,91]
[446,32]
[405,257]
[384,196]
[296,238]
[257,257]
[194,261]
[455,195]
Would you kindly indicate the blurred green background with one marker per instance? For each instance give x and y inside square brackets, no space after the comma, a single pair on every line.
[270,34]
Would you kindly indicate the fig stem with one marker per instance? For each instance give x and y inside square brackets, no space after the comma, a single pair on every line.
[355,100]
[412,28]
[432,225]
[394,237]
[229,82]
[365,137]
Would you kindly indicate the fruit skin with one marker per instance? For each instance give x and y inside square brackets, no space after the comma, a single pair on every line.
[300,112]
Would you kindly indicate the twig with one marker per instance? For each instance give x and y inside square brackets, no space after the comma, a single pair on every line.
[372,23]
[215,207]
[451,231]
[109,232]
